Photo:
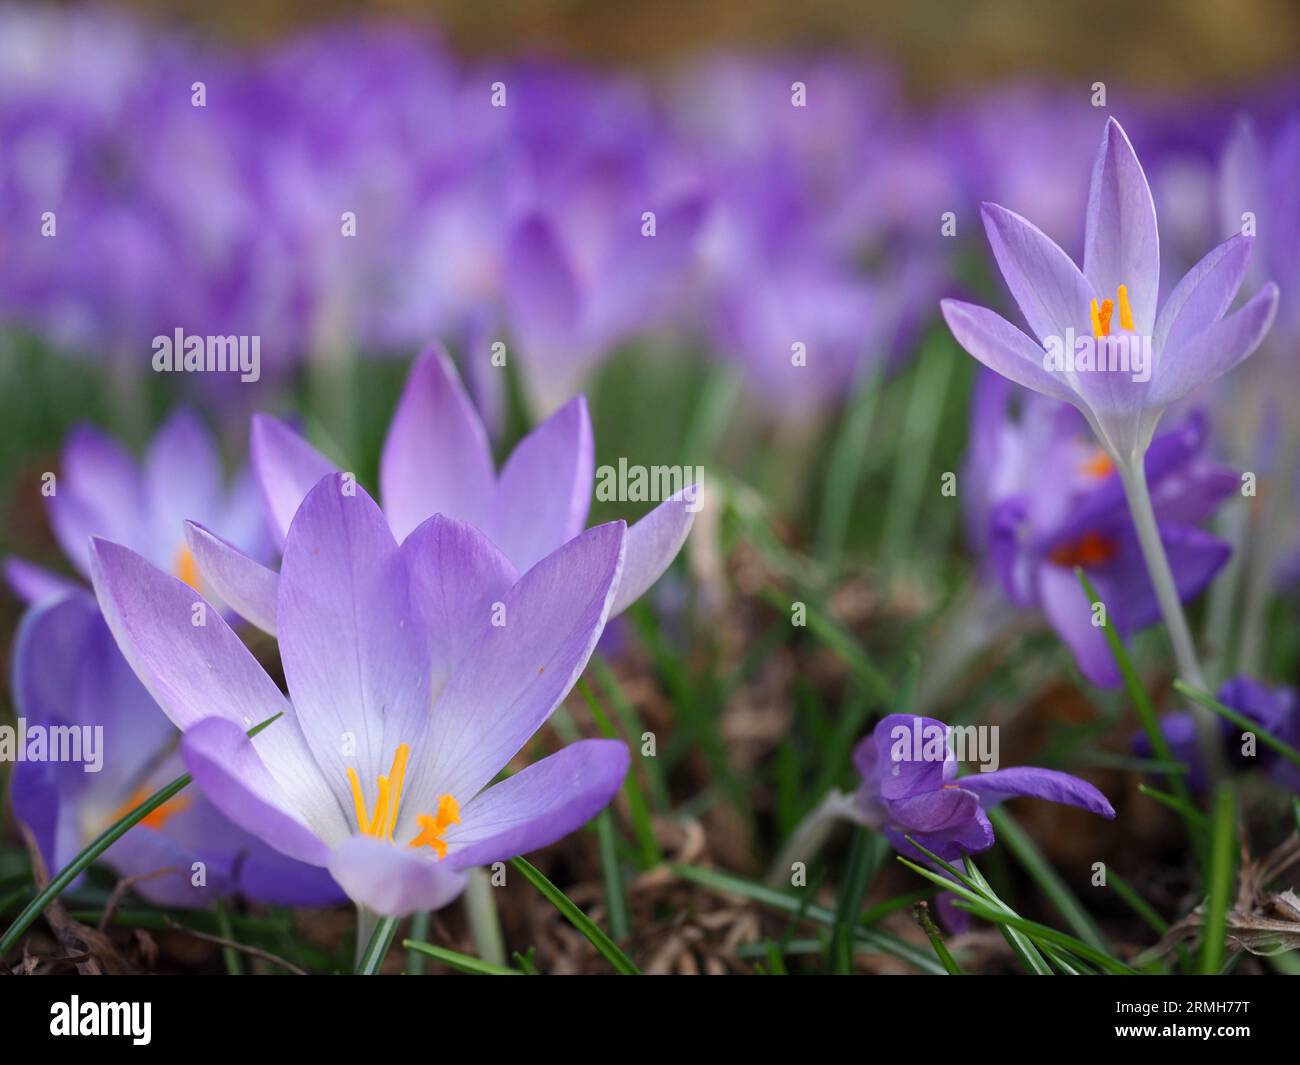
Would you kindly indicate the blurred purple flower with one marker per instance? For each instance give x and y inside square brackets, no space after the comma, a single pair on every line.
[1276,710]
[68,674]
[379,766]
[101,490]
[1258,187]
[910,787]
[1045,499]
[436,460]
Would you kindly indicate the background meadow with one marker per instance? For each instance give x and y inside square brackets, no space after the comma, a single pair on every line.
[814,191]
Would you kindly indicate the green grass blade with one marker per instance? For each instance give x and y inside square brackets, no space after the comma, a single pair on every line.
[372,958]
[1195,819]
[1050,935]
[922,914]
[608,949]
[638,810]
[416,962]
[844,470]
[865,855]
[1146,711]
[612,872]
[1026,851]
[1219,880]
[464,962]
[880,942]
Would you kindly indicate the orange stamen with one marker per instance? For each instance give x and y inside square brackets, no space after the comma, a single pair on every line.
[155,818]
[1125,311]
[1091,549]
[186,569]
[381,824]
[1099,465]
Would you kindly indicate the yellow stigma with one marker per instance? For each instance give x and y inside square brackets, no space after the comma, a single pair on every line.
[389,800]
[1125,311]
[433,827]
[185,568]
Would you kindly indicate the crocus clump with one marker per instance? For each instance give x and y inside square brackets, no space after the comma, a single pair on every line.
[911,789]
[415,673]
[68,675]
[436,460]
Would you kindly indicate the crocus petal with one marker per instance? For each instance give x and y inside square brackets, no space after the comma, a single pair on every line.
[1215,350]
[542,296]
[934,811]
[353,652]
[1070,614]
[35,584]
[968,837]
[100,495]
[899,760]
[544,492]
[540,804]
[229,770]
[436,458]
[247,587]
[457,575]
[144,851]
[198,671]
[392,880]
[1052,293]
[653,543]
[1003,348]
[1195,557]
[1242,181]
[193,671]
[266,875]
[1204,294]
[182,479]
[522,669]
[1039,784]
[287,468]
[75,521]
[1121,243]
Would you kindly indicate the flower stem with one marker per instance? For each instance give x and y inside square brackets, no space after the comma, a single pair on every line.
[1134,478]
[481,909]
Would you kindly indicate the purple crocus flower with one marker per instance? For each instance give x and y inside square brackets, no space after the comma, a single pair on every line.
[102,491]
[436,460]
[1114,297]
[1274,709]
[380,762]
[910,787]
[68,674]
[1049,500]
